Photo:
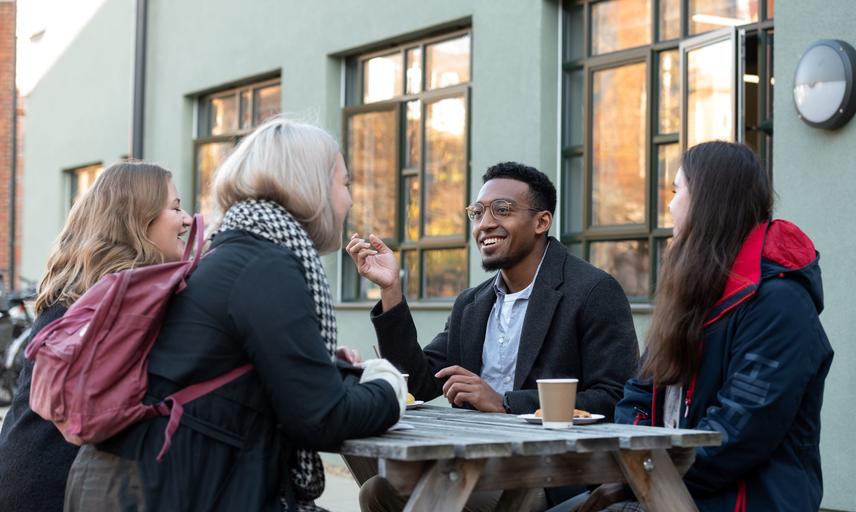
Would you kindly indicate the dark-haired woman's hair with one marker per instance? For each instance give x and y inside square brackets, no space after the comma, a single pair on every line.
[730,194]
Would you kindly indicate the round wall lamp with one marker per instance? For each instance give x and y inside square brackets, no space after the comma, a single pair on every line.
[823,84]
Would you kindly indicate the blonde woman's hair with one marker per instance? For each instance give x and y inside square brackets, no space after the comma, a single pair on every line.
[106,231]
[291,164]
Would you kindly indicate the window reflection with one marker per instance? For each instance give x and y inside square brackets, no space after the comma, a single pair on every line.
[713,14]
[445,272]
[413,139]
[619,107]
[620,24]
[382,77]
[445,167]
[208,158]
[670,19]
[81,179]
[414,70]
[410,279]
[668,159]
[411,208]
[267,103]
[448,63]
[710,93]
[246,108]
[224,114]
[670,92]
[628,261]
[371,160]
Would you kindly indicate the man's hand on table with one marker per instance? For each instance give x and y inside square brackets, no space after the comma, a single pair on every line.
[465,386]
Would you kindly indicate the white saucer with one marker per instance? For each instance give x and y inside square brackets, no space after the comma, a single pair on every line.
[415,405]
[536,420]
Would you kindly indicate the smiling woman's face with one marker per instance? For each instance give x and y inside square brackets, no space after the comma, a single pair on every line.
[166,230]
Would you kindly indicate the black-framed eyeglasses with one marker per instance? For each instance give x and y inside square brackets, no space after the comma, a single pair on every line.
[499,208]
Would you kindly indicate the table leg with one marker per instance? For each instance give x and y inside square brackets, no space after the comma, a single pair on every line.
[655,480]
[362,468]
[515,500]
[445,486]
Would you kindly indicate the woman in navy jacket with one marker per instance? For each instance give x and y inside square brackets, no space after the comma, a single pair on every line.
[735,344]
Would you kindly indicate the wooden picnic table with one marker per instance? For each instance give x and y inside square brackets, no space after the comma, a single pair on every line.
[452,452]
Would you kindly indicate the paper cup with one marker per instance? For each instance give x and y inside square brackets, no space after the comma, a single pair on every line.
[557,397]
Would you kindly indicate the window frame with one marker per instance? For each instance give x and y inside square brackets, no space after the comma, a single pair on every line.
[70,180]
[579,242]
[350,289]
[203,136]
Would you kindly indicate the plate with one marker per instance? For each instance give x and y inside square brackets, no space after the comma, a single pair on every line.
[415,405]
[536,420]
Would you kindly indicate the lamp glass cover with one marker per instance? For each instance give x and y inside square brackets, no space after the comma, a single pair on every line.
[819,84]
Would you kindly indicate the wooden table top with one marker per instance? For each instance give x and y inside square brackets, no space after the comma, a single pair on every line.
[446,433]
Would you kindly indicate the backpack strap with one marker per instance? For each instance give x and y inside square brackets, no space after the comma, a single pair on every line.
[173,405]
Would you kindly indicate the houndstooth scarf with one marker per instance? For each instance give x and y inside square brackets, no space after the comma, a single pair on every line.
[272,222]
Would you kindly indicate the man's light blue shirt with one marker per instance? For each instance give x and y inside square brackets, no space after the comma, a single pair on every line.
[502,336]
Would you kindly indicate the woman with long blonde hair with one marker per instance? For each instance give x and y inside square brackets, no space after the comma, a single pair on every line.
[130,217]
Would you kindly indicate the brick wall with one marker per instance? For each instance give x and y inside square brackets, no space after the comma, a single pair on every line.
[7,84]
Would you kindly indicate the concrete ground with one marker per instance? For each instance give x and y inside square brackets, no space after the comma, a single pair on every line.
[340,494]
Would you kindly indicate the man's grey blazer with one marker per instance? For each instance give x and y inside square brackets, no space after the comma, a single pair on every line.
[577,325]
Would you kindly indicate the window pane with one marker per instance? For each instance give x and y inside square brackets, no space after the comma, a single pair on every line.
[371,160]
[618,144]
[208,158]
[223,114]
[411,208]
[445,272]
[771,9]
[246,108]
[267,103]
[573,207]
[410,277]
[414,70]
[445,167]
[670,19]
[713,14]
[668,157]
[670,92]
[382,77]
[574,35]
[710,93]
[82,178]
[448,63]
[573,97]
[413,139]
[620,24]
[628,262]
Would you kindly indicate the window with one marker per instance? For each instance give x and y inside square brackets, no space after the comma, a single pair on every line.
[79,180]
[406,137]
[224,117]
[642,80]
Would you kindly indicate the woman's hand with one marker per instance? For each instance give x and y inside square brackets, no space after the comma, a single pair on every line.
[604,496]
[349,355]
[375,261]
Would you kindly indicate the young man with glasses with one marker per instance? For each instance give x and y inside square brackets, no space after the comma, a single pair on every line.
[546,313]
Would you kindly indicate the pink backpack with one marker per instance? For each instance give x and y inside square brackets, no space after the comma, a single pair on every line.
[90,373]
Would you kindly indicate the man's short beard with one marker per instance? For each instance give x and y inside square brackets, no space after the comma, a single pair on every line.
[503,263]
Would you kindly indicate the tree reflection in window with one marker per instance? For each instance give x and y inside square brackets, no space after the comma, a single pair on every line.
[407,134]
